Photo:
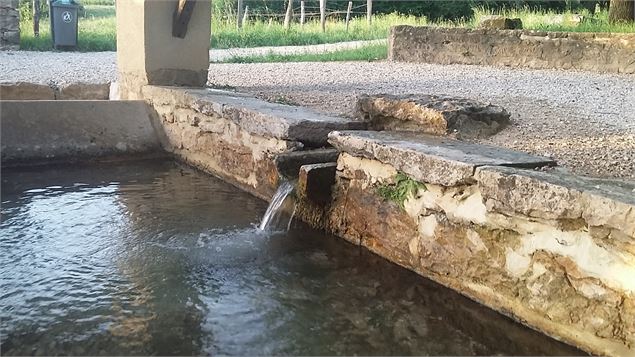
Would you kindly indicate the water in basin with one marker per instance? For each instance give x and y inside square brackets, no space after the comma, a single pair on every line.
[154,257]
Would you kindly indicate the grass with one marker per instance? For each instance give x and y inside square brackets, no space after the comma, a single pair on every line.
[260,33]
[97,31]
[364,53]
[544,20]
[402,188]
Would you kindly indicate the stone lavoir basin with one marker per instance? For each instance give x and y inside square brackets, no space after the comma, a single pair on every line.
[154,257]
[113,243]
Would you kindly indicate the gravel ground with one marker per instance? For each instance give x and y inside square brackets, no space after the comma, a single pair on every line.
[586,121]
[66,67]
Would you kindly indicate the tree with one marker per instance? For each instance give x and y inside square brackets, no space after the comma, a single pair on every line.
[622,11]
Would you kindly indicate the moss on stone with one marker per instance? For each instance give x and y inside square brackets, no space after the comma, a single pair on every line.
[401,188]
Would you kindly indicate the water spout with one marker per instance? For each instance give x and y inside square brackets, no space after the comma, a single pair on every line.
[275,207]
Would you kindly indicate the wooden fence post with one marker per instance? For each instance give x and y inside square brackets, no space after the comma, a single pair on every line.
[36,18]
[239,14]
[348,14]
[302,13]
[369,11]
[323,15]
[287,15]
[245,15]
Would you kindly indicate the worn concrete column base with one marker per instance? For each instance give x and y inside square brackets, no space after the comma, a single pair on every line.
[147,53]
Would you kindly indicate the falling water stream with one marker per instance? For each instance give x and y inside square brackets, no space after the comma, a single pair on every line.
[274,211]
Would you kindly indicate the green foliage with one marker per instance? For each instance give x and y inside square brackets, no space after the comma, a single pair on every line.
[97,31]
[256,33]
[97,28]
[543,20]
[365,53]
[401,189]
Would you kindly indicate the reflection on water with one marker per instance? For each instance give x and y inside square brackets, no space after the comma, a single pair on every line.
[156,258]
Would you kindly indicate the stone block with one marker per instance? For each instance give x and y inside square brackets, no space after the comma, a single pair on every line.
[83,91]
[254,115]
[289,164]
[558,194]
[26,91]
[432,114]
[500,23]
[315,182]
[430,159]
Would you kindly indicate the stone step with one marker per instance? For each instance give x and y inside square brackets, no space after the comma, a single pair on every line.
[289,163]
[431,159]
[256,116]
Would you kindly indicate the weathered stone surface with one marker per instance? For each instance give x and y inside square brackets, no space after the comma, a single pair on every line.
[554,274]
[84,91]
[9,25]
[315,182]
[428,158]
[38,130]
[559,195]
[289,164]
[26,91]
[432,114]
[256,116]
[518,48]
[500,23]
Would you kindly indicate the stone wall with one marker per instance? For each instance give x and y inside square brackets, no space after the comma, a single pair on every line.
[552,250]
[241,139]
[9,25]
[57,91]
[46,130]
[598,52]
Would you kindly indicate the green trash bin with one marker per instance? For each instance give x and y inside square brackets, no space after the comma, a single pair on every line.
[64,24]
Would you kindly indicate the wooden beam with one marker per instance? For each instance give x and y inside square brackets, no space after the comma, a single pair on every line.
[181,17]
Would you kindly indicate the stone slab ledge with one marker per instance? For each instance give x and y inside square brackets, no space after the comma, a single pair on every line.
[63,91]
[431,159]
[254,115]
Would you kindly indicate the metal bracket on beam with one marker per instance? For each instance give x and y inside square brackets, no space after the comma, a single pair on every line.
[181,17]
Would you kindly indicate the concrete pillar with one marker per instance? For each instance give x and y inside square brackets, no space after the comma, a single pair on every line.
[147,53]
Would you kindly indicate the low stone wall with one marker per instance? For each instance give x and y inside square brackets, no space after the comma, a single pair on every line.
[62,130]
[598,52]
[9,25]
[552,250]
[238,138]
[64,91]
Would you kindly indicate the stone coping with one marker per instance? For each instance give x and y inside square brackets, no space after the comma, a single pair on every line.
[431,159]
[558,194]
[61,91]
[254,115]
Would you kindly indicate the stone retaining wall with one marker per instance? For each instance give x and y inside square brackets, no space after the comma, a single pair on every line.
[552,250]
[239,138]
[63,91]
[9,25]
[63,130]
[598,52]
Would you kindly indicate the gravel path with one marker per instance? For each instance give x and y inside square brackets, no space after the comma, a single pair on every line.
[61,67]
[586,121]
